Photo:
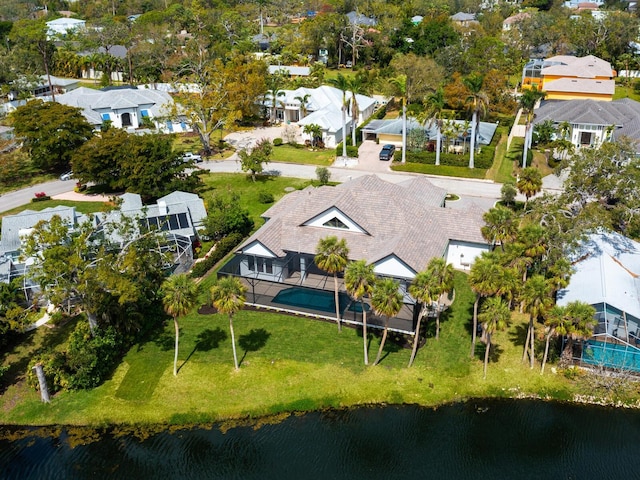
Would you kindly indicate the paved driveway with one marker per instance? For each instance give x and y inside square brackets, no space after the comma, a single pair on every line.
[369,158]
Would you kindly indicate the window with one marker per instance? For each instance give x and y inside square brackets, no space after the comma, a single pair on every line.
[183,220]
[259,264]
[144,113]
[106,117]
[335,222]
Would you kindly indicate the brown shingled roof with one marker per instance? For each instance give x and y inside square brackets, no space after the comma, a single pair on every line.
[406,220]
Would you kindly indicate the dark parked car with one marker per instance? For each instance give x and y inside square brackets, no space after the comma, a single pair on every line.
[387,152]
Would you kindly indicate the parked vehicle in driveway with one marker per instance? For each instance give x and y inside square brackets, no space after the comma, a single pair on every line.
[191,157]
[387,152]
[66,176]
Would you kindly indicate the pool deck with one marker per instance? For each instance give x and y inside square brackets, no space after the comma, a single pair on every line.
[260,294]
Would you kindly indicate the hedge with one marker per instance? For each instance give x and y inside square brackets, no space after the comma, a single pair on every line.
[223,247]
[483,160]
[351,151]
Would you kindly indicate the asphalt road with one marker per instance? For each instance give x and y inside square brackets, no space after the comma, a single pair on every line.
[21,197]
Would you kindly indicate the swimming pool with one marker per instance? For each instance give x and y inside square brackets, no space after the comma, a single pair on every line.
[316,300]
[611,355]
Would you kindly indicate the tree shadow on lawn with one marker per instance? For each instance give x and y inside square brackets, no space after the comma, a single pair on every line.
[395,343]
[495,352]
[206,340]
[518,334]
[253,341]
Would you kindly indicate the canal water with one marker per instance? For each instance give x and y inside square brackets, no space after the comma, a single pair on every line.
[480,439]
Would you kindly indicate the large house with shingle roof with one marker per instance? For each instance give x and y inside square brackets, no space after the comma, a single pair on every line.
[565,77]
[592,122]
[397,228]
[126,108]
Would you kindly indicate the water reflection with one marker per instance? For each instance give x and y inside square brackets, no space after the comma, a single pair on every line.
[479,439]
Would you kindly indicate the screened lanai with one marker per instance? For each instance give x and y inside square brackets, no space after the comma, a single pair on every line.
[607,276]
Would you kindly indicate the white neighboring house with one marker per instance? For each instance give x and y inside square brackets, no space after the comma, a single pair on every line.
[62,26]
[323,107]
[125,108]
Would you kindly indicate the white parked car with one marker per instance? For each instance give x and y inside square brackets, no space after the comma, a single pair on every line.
[191,157]
[66,176]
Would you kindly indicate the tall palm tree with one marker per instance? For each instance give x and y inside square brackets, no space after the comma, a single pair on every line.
[500,225]
[228,296]
[528,101]
[304,103]
[400,84]
[386,300]
[274,92]
[332,256]
[423,290]
[179,295]
[556,324]
[442,274]
[495,316]
[359,279]
[536,295]
[356,85]
[342,83]
[434,104]
[529,183]
[478,102]
[483,280]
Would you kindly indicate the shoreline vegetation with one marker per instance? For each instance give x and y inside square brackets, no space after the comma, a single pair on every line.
[292,364]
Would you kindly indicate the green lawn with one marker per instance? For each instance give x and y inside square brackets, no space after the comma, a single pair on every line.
[446,170]
[288,363]
[82,207]
[502,169]
[249,191]
[624,91]
[288,154]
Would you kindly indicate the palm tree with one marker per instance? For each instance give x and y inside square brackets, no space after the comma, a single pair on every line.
[495,316]
[400,84]
[555,321]
[342,83]
[528,101]
[332,256]
[386,300]
[434,107]
[359,279]
[501,226]
[228,296]
[581,318]
[536,295]
[423,290]
[355,87]
[442,274]
[483,280]
[314,131]
[274,91]
[529,183]
[478,101]
[304,103]
[179,295]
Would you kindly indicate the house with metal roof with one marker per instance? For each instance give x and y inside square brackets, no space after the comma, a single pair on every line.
[323,107]
[456,134]
[63,26]
[178,216]
[592,122]
[397,228]
[566,77]
[129,108]
[356,18]
[607,276]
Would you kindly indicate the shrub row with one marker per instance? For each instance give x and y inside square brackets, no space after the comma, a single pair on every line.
[223,247]
[352,151]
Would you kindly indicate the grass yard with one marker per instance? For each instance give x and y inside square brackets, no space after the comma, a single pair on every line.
[626,91]
[249,191]
[288,154]
[502,169]
[82,207]
[446,170]
[288,363]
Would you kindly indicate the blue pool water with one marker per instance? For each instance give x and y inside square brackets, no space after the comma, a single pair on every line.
[611,355]
[316,300]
